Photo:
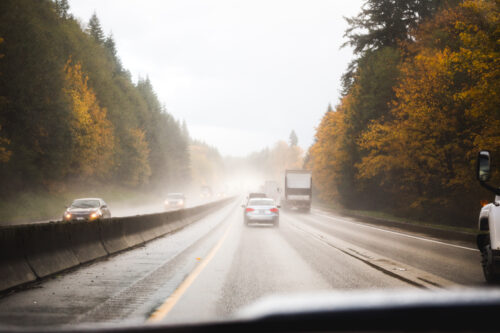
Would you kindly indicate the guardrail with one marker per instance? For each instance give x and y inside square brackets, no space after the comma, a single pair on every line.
[33,251]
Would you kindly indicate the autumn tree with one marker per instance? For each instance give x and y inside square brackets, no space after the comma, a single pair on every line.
[446,109]
[51,110]
[91,131]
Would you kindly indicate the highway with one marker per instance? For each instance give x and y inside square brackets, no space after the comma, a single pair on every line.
[216,266]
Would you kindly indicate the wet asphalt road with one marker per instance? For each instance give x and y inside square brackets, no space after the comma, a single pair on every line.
[216,266]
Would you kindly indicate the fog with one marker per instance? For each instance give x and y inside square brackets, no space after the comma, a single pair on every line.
[250,71]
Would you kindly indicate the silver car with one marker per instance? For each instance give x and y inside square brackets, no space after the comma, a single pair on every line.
[261,210]
[175,201]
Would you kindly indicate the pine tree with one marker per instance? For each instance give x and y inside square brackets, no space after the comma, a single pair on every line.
[62,8]
[95,30]
[293,140]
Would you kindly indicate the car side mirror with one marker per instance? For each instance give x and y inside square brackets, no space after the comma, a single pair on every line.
[104,206]
[483,166]
[242,206]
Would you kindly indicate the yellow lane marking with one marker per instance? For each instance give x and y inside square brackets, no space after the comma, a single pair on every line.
[172,300]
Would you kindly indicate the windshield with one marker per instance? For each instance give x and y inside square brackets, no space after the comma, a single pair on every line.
[243,150]
[85,203]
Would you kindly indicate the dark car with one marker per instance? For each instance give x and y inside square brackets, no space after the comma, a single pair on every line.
[89,209]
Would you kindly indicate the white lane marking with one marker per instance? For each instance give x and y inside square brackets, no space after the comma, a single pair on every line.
[399,233]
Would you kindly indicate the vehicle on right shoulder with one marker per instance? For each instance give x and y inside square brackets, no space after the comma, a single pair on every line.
[488,240]
[261,210]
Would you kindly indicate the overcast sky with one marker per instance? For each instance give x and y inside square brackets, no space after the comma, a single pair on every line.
[242,74]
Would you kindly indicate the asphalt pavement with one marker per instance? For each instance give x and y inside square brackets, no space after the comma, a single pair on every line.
[216,266]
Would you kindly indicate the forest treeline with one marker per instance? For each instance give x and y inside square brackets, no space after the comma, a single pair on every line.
[70,113]
[419,101]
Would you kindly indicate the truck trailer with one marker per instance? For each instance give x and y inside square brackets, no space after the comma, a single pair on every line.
[297,190]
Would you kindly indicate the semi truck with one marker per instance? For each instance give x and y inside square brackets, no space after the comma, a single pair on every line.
[297,190]
[488,239]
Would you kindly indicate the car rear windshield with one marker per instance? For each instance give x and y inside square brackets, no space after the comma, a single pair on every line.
[257,195]
[261,202]
[85,204]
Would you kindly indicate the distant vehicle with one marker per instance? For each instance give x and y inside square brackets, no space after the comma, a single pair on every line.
[298,190]
[87,209]
[252,195]
[175,201]
[488,240]
[206,192]
[262,210]
[272,189]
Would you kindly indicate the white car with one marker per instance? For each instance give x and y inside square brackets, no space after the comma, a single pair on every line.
[261,210]
[175,201]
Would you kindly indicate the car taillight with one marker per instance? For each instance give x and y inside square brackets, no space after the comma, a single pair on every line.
[274,210]
[249,209]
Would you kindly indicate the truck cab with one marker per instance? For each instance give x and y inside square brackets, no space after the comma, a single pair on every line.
[488,239]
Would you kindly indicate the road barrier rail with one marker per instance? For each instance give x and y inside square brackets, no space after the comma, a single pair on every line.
[33,251]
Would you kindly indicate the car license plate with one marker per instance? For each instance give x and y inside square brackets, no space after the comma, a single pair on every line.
[80,218]
[261,211]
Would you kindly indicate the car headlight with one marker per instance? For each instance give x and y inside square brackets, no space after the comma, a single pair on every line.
[95,215]
[67,216]
[167,203]
[181,202]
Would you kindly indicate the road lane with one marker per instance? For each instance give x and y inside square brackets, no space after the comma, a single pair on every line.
[305,254]
[122,287]
[259,261]
[458,264]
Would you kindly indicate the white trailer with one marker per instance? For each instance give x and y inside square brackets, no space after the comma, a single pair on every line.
[298,190]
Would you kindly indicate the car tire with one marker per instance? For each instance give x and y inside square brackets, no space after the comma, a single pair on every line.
[491,269]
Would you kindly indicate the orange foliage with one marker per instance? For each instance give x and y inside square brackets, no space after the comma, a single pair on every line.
[92,132]
[445,111]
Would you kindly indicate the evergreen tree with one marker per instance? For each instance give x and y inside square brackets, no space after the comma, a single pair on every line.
[293,139]
[62,8]
[95,30]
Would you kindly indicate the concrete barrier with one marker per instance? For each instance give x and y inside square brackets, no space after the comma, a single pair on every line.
[113,235]
[14,268]
[28,252]
[48,248]
[85,240]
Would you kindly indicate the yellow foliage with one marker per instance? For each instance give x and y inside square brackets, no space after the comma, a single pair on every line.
[91,131]
[327,153]
[445,111]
